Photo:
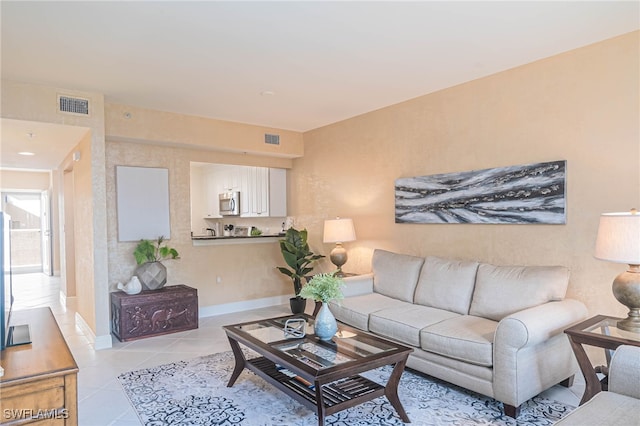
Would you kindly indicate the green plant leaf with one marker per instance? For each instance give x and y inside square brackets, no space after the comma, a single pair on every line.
[147,251]
[285,271]
[291,259]
[297,256]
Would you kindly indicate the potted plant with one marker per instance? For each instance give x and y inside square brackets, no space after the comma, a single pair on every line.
[324,288]
[296,253]
[149,256]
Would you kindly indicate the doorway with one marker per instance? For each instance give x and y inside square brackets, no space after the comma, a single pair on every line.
[30,231]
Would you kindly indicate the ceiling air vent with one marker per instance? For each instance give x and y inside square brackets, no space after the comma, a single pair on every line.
[73,105]
[272,139]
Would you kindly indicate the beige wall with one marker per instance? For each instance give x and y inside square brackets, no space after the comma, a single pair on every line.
[247,271]
[125,122]
[24,180]
[160,139]
[23,101]
[581,106]
[83,212]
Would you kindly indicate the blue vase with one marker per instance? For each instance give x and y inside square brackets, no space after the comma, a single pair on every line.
[325,325]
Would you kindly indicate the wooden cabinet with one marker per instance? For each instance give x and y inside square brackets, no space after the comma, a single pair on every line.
[153,312]
[39,385]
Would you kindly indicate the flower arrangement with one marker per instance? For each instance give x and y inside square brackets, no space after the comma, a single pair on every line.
[323,288]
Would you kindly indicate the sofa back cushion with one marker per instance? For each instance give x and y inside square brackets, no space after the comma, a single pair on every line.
[503,290]
[446,284]
[395,275]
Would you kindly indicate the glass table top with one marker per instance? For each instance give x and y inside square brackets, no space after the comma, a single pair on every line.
[347,344]
[608,327]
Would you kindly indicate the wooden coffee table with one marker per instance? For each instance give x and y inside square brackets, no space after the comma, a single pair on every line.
[323,376]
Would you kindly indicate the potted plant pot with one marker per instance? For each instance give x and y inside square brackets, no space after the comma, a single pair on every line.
[298,305]
[149,255]
[152,275]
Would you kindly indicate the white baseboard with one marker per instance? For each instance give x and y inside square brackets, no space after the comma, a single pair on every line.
[246,305]
[98,342]
[103,342]
[68,302]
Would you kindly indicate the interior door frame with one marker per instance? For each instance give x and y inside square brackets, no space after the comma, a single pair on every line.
[46,240]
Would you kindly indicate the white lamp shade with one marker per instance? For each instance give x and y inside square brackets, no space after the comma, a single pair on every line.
[619,238]
[338,231]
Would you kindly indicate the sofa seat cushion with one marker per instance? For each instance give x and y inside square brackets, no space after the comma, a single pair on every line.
[403,323]
[355,311]
[606,408]
[446,284]
[503,290]
[466,338]
[395,275]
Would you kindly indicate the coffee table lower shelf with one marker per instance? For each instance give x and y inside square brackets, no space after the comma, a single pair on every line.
[336,396]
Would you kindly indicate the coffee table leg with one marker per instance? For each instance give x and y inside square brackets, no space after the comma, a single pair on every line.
[240,362]
[391,390]
[319,403]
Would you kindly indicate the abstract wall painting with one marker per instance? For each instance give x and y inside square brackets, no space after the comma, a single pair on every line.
[528,194]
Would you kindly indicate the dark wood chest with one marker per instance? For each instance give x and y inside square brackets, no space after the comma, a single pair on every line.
[154,312]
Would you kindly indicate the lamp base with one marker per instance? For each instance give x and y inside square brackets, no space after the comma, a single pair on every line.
[630,324]
[338,257]
[626,288]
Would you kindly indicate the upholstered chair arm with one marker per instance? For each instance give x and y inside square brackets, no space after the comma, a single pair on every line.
[534,325]
[358,285]
[531,352]
[624,372]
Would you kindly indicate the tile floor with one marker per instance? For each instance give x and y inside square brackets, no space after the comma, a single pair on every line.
[101,400]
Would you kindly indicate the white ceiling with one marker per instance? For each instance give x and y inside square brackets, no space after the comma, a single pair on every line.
[323,61]
[49,142]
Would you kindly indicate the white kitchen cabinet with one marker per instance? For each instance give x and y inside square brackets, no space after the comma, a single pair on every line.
[213,187]
[263,191]
[254,192]
[230,178]
[277,192]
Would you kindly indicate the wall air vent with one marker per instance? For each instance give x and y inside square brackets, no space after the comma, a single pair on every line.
[271,139]
[73,105]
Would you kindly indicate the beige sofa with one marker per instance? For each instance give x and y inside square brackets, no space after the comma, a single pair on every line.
[496,330]
[621,404]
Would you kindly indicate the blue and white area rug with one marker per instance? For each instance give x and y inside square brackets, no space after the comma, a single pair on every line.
[194,392]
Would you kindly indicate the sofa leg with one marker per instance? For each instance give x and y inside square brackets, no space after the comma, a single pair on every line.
[511,411]
[568,382]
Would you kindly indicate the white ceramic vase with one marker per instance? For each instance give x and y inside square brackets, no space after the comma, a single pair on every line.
[325,325]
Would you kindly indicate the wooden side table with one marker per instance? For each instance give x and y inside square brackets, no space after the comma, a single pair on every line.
[600,331]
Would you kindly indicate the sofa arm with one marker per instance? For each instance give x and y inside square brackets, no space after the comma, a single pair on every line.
[624,373]
[358,285]
[535,325]
[530,351]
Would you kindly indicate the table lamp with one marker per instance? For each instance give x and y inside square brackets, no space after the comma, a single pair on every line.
[619,241]
[338,231]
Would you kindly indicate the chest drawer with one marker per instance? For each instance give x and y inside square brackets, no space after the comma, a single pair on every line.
[154,312]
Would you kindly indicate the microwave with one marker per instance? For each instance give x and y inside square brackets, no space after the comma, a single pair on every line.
[229,203]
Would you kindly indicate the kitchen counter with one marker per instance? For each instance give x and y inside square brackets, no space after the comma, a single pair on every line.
[207,240]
